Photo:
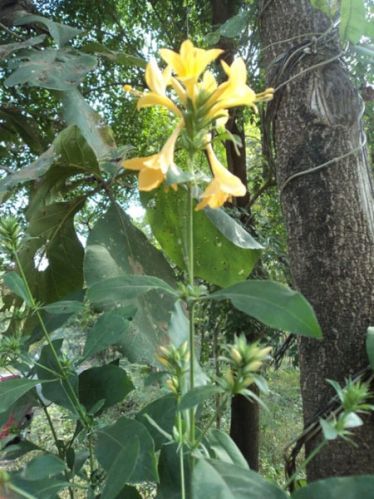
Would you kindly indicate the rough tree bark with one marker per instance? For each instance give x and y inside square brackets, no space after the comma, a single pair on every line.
[329,212]
[244,425]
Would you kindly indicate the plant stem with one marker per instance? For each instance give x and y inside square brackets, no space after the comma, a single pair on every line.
[181,460]
[72,397]
[311,456]
[191,281]
[210,422]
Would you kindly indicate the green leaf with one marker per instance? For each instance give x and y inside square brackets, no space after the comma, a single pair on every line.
[44,466]
[9,48]
[57,390]
[128,444]
[59,32]
[16,284]
[211,478]
[197,395]
[107,383]
[352,20]
[54,69]
[217,260]
[109,329]
[162,411]
[328,429]
[234,26]
[230,228]
[116,247]
[273,304]
[98,136]
[370,346]
[119,290]
[122,58]
[64,307]
[328,7]
[127,493]
[39,489]
[352,487]
[13,389]
[169,471]
[54,242]
[367,50]
[12,452]
[223,448]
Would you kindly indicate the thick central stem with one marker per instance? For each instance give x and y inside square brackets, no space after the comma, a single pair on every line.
[191,280]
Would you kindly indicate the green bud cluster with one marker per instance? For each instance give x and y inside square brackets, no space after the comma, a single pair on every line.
[10,233]
[175,360]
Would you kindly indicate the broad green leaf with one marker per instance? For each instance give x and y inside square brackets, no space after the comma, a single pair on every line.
[54,69]
[35,170]
[58,390]
[352,20]
[13,452]
[56,246]
[273,304]
[122,58]
[64,307]
[127,493]
[163,412]
[350,487]
[44,466]
[109,329]
[39,489]
[197,395]
[169,486]
[9,48]
[217,260]
[232,230]
[98,136]
[121,470]
[109,384]
[68,155]
[113,447]
[116,247]
[367,50]
[121,289]
[234,26]
[221,446]
[13,389]
[61,33]
[211,478]
[328,7]
[370,346]
[16,284]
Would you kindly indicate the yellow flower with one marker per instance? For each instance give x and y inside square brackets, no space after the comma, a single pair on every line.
[157,82]
[223,186]
[189,63]
[153,169]
[234,92]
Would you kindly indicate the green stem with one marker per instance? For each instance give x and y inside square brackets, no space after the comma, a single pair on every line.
[181,460]
[72,397]
[52,428]
[210,423]
[311,456]
[191,282]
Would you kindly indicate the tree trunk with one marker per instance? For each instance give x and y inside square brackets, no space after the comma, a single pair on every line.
[244,425]
[328,211]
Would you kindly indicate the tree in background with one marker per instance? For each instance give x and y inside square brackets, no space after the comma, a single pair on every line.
[327,199]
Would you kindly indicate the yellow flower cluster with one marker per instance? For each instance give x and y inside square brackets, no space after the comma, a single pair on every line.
[202,102]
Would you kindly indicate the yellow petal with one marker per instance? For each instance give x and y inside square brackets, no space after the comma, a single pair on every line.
[150,179]
[135,163]
[153,99]
[191,61]
[155,78]
[228,183]
[179,90]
